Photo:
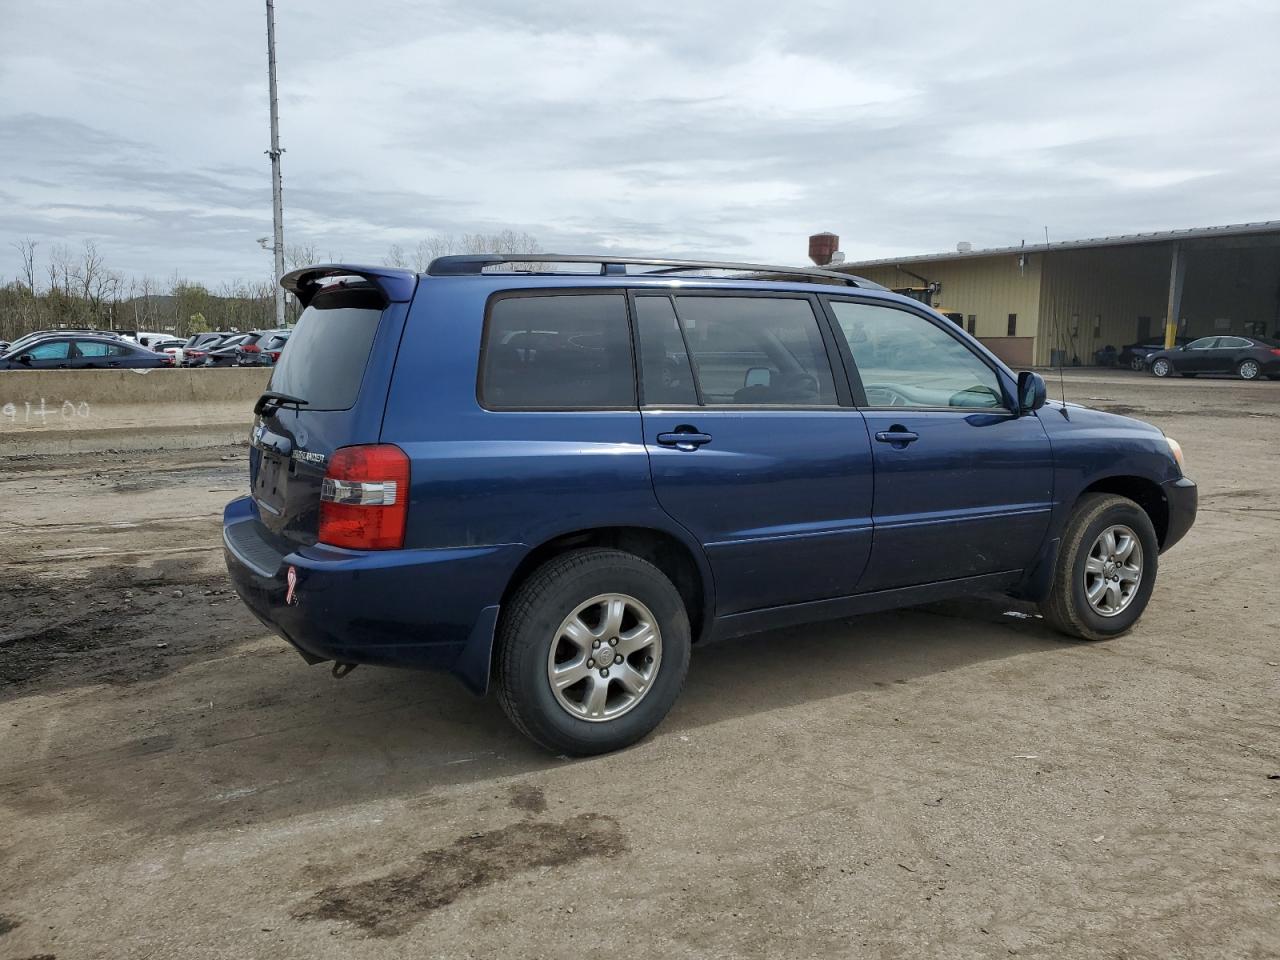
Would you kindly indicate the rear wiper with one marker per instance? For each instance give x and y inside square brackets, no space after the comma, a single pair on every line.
[274,399]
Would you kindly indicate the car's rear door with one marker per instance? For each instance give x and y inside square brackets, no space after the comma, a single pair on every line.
[963,486]
[338,367]
[1229,352]
[753,443]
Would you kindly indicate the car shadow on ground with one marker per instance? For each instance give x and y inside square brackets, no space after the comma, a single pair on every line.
[276,739]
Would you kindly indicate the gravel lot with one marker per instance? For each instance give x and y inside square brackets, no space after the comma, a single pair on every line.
[949,781]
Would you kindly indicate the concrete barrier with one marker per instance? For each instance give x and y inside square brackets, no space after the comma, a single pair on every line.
[82,411]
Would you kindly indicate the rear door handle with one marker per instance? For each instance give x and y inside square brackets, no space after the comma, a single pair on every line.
[684,439]
[898,436]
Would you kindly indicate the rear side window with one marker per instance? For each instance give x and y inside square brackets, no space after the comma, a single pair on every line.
[329,350]
[92,348]
[765,351]
[555,352]
[666,376]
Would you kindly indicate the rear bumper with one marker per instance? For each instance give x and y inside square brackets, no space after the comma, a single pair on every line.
[429,609]
[1183,498]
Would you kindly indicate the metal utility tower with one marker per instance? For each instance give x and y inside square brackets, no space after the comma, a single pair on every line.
[277,200]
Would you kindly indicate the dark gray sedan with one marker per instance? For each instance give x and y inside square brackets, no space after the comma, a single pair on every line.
[1247,357]
[81,352]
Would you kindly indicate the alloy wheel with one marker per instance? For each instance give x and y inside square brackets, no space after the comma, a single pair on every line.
[1113,570]
[604,657]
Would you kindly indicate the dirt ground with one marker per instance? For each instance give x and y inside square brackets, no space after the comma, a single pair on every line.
[949,781]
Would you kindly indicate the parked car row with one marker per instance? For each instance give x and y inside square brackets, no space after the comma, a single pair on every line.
[90,349]
[259,348]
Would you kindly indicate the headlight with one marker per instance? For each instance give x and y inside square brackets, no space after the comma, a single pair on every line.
[1176,449]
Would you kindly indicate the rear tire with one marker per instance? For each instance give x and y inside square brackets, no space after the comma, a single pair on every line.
[1137,363]
[1083,570]
[1161,367]
[554,624]
[1248,370]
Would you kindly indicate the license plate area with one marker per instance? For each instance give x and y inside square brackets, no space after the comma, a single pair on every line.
[271,487]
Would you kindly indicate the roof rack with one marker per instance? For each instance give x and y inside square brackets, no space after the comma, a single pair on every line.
[475,264]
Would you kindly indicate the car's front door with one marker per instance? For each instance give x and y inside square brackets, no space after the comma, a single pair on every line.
[753,444]
[1198,357]
[49,355]
[963,486]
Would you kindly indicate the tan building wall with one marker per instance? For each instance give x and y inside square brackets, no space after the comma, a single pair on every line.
[1082,299]
[1094,297]
[987,288]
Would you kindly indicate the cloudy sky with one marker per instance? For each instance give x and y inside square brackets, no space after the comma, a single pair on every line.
[726,129]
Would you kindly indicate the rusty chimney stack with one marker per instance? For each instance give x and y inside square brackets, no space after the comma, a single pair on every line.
[822,247]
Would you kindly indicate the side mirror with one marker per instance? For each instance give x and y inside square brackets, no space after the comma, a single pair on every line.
[757,377]
[1032,392]
[26,358]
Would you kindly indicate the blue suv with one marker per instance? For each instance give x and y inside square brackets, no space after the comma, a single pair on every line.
[556,475]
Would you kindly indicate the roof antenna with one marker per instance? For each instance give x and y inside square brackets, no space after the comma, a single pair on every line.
[1057,336]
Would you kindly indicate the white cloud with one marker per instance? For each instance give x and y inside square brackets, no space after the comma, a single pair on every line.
[723,129]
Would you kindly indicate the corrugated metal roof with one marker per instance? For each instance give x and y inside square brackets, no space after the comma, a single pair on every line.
[1128,239]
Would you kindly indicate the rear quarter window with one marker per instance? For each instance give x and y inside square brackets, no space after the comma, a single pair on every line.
[555,352]
[329,350]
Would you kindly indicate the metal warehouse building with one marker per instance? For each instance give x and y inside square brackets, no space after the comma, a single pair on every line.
[1078,296]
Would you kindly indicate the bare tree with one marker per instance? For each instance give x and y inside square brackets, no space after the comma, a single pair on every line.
[396,257]
[445,244]
[26,248]
[300,255]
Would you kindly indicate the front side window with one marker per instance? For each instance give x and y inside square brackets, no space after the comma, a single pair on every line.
[53,350]
[905,360]
[764,351]
[1204,343]
[557,352]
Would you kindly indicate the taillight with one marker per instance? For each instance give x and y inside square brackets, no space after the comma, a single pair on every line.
[1276,351]
[168,360]
[364,499]
[275,355]
[251,348]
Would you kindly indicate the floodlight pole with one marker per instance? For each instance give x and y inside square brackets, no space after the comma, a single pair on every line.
[277,199]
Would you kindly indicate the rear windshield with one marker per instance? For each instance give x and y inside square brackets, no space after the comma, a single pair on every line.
[328,350]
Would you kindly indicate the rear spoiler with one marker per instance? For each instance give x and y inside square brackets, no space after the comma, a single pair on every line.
[396,285]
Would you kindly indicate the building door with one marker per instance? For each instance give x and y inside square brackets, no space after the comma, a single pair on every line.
[1144,330]
[963,486]
[752,446]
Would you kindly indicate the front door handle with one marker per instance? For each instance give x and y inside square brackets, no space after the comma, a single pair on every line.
[897,435]
[684,438]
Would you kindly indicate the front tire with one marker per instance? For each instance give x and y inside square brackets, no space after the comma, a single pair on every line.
[1161,367]
[1248,370]
[592,651]
[1106,569]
